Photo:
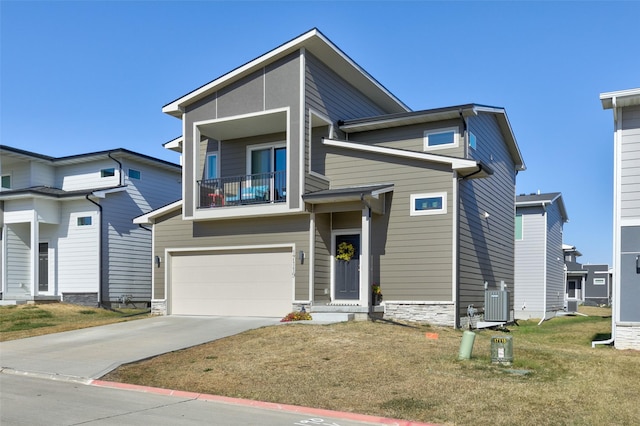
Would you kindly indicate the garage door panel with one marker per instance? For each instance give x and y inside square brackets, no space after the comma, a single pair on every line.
[238,284]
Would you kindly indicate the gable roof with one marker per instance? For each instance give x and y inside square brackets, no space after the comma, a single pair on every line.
[437,114]
[87,157]
[534,200]
[320,46]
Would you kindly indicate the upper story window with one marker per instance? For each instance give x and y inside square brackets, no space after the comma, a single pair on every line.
[441,138]
[211,168]
[267,159]
[472,141]
[425,204]
[6,181]
[84,221]
[599,281]
[134,174]
[518,227]
[107,172]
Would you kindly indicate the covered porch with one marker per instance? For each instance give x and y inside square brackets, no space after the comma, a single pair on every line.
[344,270]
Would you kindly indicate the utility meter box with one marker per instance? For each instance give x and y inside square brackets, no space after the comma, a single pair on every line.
[502,350]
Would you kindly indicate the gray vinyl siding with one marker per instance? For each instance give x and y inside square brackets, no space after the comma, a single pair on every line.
[411,138]
[322,261]
[86,175]
[78,252]
[127,247]
[332,96]
[630,163]
[19,172]
[314,183]
[277,85]
[233,153]
[529,264]
[18,258]
[486,246]
[42,174]
[555,265]
[174,233]
[415,260]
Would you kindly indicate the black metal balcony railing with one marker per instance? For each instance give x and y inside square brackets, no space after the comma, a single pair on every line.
[262,188]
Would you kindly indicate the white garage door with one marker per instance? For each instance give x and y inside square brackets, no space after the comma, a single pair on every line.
[258,284]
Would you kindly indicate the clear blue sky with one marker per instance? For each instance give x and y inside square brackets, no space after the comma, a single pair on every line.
[81,76]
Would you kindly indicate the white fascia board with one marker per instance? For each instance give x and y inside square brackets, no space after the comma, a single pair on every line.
[104,193]
[455,163]
[174,144]
[149,218]
[620,98]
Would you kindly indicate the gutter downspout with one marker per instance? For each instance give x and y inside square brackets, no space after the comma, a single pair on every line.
[616,263]
[100,252]
[120,175]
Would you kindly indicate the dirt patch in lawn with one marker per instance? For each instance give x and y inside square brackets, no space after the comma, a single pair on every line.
[412,372]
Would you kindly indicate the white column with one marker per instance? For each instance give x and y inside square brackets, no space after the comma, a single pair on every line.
[35,238]
[365,258]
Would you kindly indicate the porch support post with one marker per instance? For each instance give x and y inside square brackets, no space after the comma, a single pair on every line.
[35,238]
[365,260]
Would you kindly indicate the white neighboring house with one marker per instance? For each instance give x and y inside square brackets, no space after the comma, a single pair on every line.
[67,229]
[539,286]
[626,216]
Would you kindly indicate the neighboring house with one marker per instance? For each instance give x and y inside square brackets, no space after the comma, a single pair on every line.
[626,216]
[586,284]
[306,182]
[67,231]
[539,267]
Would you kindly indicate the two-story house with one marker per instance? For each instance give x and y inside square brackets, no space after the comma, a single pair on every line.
[588,284]
[625,105]
[539,260]
[67,230]
[307,183]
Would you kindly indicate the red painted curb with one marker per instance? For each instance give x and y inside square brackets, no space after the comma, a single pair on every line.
[259,404]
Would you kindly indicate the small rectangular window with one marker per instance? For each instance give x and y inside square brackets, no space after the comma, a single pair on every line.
[518,227]
[424,204]
[84,221]
[472,140]
[212,165]
[441,138]
[107,172]
[599,281]
[6,181]
[134,174]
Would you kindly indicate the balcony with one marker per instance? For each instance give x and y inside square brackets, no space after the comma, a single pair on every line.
[262,188]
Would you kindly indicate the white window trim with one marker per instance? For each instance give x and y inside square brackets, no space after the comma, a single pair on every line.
[272,145]
[599,281]
[414,197]
[84,224]
[206,164]
[521,227]
[10,181]
[427,133]
[106,169]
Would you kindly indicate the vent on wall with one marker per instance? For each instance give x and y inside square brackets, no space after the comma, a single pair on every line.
[496,304]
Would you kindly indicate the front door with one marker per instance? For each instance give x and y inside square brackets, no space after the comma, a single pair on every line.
[347,267]
[43,267]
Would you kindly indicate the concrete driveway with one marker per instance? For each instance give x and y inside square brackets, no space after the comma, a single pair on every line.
[92,352]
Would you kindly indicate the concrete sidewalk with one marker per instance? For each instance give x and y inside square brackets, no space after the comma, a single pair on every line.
[92,352]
